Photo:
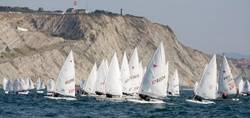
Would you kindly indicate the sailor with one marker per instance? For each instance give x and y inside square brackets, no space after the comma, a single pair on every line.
[224,95]
[55,94]
[198,98]
[144,97]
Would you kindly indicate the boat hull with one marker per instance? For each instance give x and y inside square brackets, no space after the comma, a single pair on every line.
[200,102]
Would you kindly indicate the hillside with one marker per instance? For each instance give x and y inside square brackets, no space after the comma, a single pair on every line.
[40,51]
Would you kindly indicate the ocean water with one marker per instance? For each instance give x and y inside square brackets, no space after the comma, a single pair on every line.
[36,106]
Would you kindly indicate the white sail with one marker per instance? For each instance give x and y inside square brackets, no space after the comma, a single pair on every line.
[65,83]
[50,85]
[17,85]
[40,84]
[82,84]
[43,85]
[207,87]
[24,83]
[89,85]
[125,75]
[5,84]
[101,77]
[31,84]
[226,82]
[113,83]
[195,86]
[173,86]
[246,88]
[154,82]
[141,71]
[134,69]
[239,84]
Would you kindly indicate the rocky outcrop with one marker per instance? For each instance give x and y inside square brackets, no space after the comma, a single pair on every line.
[40,52]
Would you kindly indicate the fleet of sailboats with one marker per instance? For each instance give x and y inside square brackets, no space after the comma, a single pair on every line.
[145,85]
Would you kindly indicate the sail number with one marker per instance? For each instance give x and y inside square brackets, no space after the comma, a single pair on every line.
[158,79]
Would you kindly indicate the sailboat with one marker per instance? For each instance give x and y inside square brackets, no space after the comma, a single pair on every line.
[50,86]
[31,84]
[226,83]
[40,86]
[102,72]
[239,85]
[113,84]
[125,75]
[173,87]
[65,83]
[5,85]
[208,86]
[246,89]
[23,86]
[89,84]
[154,84]
[134,68]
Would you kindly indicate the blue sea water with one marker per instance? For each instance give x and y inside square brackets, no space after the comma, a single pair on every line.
[36,106]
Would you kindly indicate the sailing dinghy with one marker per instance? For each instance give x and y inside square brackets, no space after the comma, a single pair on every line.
[65,83]
[113,84]
[24,86]
[246,89]
[226,82]
[239,85]
[50,86]
[101,78]
[125,76]
[89,84]
[173,87]
[207,87]
[40,86]
[5,85]
[154,84]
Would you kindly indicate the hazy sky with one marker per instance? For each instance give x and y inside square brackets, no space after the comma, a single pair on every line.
[208,25]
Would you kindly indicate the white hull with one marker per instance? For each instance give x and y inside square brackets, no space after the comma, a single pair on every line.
[200,102]
[104,98]
[130,97]
[23,92]
[91,95]
[152,101]
[40,92]
[49,93]
[173,95]
[60,98]
[6,92]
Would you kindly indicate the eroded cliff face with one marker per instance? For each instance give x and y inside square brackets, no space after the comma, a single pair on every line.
[40,52]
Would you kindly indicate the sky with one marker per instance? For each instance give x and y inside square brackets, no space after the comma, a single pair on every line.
[212,26]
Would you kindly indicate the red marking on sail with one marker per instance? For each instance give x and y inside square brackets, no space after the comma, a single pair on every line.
[154,65]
